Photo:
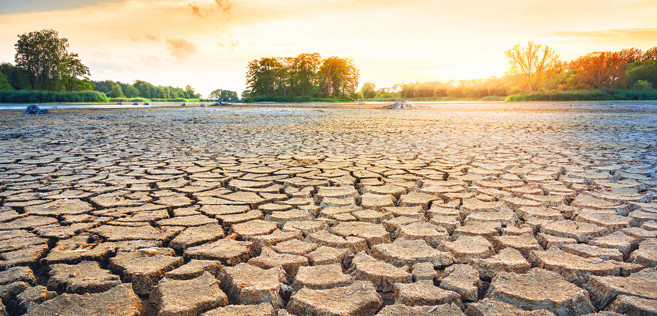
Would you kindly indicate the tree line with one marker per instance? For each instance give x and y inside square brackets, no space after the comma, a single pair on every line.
[43,63]
[307,75]
[143,89]
[537,69]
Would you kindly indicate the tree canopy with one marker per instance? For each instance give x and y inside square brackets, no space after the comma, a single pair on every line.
[304,75]
[224,95]
[48,63]
[532,63]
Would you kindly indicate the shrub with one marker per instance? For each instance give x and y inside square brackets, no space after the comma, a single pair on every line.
[642,85]
[28,96]
[129,100]
[585,95]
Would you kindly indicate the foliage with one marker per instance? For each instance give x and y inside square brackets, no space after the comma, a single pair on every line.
[631,55]
[339,78]
[224,95]
[297,99]
[25,96]
[650,55]
[115,91]
[48,63]
[600,70]
[18,78]
[131,92]
[368,90]
[585,95]
[143,89]
[642,85]
[532,63]
[129,100]
[4,83]
[304,75]
[646,71]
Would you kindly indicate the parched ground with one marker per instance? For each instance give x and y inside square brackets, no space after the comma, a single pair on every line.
[446,209]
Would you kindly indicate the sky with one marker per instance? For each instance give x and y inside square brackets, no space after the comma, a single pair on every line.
[208,43]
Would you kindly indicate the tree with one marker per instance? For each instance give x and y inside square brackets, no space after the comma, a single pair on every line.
[46,58]
[303,73]
[70,69]
[18,78]
[339,77]
[631,55]
[368,90]
[190,93]
[600,70]
[116,92]
[131,92]
[532,63]
[642,85]
[224,95]
[650,54]
[646,72]
[263,76]
[4,83]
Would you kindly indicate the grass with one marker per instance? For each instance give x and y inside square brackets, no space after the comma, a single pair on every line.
[585,95]
[302,99]
[29,96]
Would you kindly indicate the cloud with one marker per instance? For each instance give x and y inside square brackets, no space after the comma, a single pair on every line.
[195,10]
[180,48]
[147,37]
[224,5]
[633,36]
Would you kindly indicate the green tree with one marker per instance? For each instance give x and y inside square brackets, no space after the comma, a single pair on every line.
[303,73]
[532,63]
[4,83]
[647,71]
[116,92]
[263,76]
[70,69]
[46,59]
[103,86]
[642,85]
[224,95]
[339,77]
[368,90]
[131,92]
[146,90]
[18,78]
[190,93]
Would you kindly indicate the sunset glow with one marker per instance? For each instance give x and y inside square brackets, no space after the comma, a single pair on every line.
[208,43]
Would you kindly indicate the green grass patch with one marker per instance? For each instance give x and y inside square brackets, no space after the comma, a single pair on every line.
[29,96]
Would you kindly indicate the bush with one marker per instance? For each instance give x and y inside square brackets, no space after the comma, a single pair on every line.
[636,95]
[586,95]
[642,85]
[28,96]
[129,100]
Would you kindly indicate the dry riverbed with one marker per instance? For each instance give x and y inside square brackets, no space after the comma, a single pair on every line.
[446,209]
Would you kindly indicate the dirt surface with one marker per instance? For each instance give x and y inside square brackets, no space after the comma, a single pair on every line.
[338,209]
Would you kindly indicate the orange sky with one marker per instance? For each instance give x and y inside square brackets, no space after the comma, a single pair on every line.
[207,43]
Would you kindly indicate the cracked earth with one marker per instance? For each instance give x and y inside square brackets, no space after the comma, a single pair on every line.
[523,209]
